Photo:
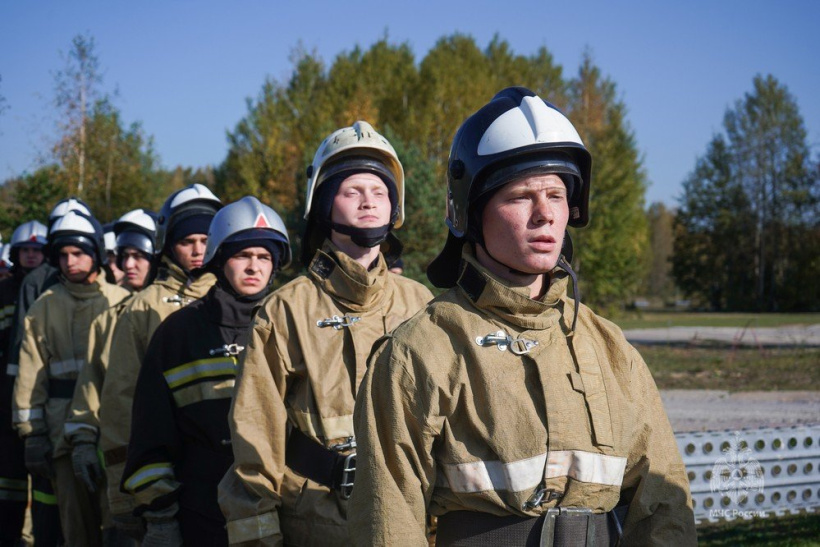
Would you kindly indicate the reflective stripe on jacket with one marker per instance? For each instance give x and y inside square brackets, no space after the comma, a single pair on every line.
[171,291]
[53,352]
[487,398]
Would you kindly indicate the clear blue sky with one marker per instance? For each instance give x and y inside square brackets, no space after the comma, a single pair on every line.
[184,68]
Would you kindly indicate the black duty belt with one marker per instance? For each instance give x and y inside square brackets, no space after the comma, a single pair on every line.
[328,467]
[115,456]
[61,389]
[558,527]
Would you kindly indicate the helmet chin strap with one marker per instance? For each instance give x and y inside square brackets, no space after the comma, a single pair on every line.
[363,237]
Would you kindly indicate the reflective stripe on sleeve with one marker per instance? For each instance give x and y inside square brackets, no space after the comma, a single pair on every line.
[525,474]
[203,368]
[148,474]
[27,414]
[12,369]
[204,391]
[45,498]
[13,489]
[68,366]
[254,528]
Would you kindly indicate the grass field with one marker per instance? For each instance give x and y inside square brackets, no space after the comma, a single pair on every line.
[661,319]
[741,369]
[799,530]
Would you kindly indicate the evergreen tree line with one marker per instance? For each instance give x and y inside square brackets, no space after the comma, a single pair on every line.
[418,104]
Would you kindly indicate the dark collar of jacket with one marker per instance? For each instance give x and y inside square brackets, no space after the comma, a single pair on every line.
[347,281]
[498,297]
[225,309]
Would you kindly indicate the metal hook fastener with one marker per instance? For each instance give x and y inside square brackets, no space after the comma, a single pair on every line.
[176,299]
[499,339]
[502,341]
[227,350]
[338,322]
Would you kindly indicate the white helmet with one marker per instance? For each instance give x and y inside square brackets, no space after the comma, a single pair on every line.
[356,147]
[28,234]
[5,260]
[64,206]
[75,228]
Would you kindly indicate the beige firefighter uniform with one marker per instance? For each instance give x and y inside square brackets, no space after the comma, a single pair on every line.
[304,362]
[171,291]
[486,398]
[53,352]
[83,422]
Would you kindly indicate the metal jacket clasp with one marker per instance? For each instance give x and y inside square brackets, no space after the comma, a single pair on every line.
[338,322]
[504,341]
[176,299]
[227,350]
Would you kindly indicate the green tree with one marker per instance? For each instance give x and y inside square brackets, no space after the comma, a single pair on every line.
[713,234]
[763,230]
[659,284]
[77,89]
[610,252]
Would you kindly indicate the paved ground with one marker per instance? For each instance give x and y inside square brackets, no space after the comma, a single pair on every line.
[800,335]
[703,410]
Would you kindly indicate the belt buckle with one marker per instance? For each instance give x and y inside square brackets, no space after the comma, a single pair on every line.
[552,514]
[348,477]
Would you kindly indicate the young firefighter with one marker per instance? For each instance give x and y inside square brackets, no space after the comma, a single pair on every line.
[182,231]
[135,234]
[180,440]
[506,408]
[25,253]
[292,415]
[45,515]
[51,356]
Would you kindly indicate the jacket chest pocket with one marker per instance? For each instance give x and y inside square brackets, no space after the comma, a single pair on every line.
[589,381]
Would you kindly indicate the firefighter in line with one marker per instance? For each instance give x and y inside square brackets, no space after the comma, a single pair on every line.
[180,441]
[135,239]
[182,231]
[507,408]
[52,355]
[45,515]
[25,253]
[292,414]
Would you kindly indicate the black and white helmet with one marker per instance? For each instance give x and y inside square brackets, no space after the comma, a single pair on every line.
[247,222]
[136,229]
[64,206]
[75,228]
[516,134]
[183,204]
[28,234]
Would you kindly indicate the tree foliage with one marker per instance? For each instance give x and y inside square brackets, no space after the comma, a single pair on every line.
[417,103]
[611,251]
[747,226]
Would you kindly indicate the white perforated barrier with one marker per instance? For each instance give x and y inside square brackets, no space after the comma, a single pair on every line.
[752,472]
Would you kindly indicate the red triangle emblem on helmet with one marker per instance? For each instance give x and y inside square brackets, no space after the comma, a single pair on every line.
[261,222]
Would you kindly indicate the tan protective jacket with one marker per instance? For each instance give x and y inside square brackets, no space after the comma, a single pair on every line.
[296,373]
[53,352]
[143,313]
[83,423]
[448,420]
